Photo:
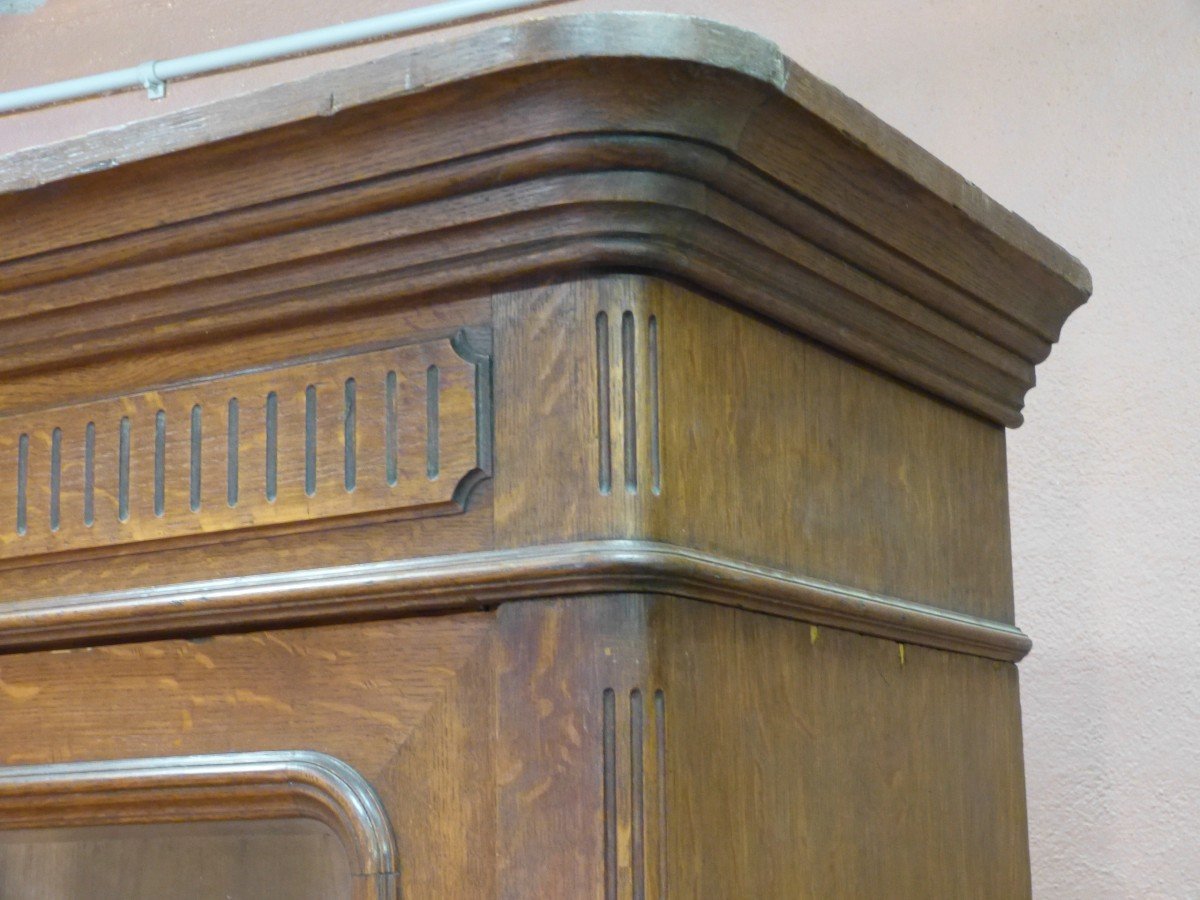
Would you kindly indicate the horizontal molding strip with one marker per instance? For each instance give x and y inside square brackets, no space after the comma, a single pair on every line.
[482,579]
[102,269]
[225,787]
[555,226]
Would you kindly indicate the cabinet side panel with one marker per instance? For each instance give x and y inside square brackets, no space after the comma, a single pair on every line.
[628,406]
[778,451]
[809,762]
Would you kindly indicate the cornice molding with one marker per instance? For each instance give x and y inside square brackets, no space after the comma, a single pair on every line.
[732,194]
[227,787]
[484,579]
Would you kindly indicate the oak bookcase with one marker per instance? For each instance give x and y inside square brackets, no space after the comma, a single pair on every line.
[566,461]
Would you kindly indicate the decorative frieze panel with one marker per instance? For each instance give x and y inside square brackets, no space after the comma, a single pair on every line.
[401,429]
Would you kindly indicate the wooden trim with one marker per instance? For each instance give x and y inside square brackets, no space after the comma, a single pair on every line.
[663,222]
[735,197]
[686,39]
[481,579]
[211,788]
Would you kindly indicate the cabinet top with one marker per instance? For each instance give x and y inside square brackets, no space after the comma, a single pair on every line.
[616,141]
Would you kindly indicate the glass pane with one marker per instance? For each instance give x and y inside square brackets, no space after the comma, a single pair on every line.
[289,859]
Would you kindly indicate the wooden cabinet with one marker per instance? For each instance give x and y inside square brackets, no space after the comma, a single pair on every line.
[563,462]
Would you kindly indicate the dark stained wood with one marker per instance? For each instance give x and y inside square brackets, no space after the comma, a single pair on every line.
[696,173]
[385,535]
[769,449]
[846,767]
[386,430]
[692,576]
[477,580]
[744,756]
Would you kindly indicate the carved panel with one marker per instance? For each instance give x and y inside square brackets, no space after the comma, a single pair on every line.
[398,429]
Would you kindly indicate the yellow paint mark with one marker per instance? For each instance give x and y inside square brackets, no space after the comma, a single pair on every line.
[20,692]
[537,790]
[901,646]
[350,710]
[813,633]
[27,759]
[281,643]
[187,721]
[204,660]
[120,652]
[241,695]
[168,682]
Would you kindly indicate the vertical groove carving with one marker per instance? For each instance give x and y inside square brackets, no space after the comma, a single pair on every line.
[432,451]
[655,445]
[603,411]
[629,394]
[197,458]
[22,479]
[637,793]
[610,794]
[160,461]
[123,471]
[124,482]
[310,440]
[391,439]
[55,477]
[89,474]
[350,428]
[660,747]
[231,455]
[635,835]
[636,353]
[272,461]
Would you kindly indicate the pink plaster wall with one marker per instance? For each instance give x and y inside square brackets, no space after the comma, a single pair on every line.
[1082,116]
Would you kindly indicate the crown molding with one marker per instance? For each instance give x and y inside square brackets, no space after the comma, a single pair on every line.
[524,152]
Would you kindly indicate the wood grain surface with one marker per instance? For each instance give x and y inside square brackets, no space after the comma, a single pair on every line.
[630,513]
[676,749]
[382,430]
[715,170]
[358,693]
[736,437]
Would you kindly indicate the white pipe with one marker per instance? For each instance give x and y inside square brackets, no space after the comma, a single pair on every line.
[153,75]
